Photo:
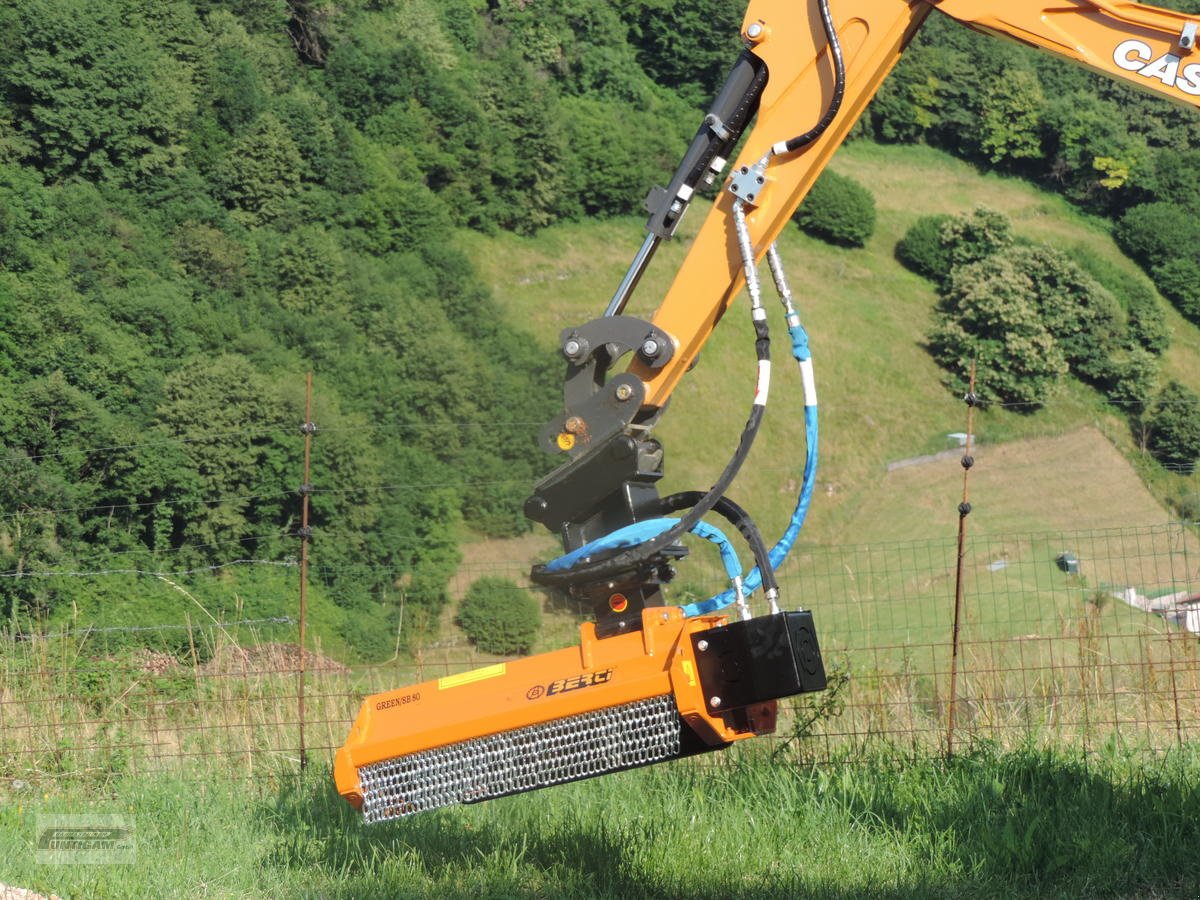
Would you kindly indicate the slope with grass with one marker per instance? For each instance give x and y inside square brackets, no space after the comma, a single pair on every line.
[882,396]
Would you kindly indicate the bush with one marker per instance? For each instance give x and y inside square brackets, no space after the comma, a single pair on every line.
[990,314]
[1131,388]
[1186,504]
[973,236]
[921,249]
[837,209]
[1179,281]
[1147,323]
[1175,428]
[1153,232]
[500,617]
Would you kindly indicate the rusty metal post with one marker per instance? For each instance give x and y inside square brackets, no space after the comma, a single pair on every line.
[308,429]
[964,509]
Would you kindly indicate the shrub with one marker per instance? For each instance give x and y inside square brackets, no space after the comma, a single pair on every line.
[1153,232]
[1131,388]
[1082,315]
[921,249]
[1186,504]
[1174,437]
[500,617]
[837,209]
[1147,323]
[973,236]
[1179,280]
[990,314]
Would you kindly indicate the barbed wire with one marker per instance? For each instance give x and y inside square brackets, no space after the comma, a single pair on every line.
[286,563]
[226,435]
[85,630]
[275,430]
[214,501]
[949,398]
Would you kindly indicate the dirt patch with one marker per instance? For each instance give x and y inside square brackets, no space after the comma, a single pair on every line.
[16,893]
[267,658]
[150,662]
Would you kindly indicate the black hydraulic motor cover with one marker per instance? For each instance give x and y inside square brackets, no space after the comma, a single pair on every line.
[760,659]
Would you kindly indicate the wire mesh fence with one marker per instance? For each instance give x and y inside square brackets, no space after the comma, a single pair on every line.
[1082,638]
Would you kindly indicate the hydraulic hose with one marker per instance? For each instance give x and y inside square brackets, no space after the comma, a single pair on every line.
[576,570]
[736,516]
[839,88]
[779,553]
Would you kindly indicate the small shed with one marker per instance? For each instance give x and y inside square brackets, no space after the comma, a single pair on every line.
[1068,562]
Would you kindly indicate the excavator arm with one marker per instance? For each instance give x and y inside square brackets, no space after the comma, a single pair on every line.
[1151,48]
[649,681]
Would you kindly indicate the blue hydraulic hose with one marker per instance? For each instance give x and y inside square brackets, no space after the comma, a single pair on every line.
[779,553]
[629,536]
[640,532]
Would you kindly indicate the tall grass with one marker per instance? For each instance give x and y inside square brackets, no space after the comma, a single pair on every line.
[66,712]
[988,823]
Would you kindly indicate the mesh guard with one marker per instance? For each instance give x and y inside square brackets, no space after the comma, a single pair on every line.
[524,759]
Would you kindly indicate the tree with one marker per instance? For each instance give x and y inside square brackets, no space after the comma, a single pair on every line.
[96,92]
[1083,316]
[971,237]
[686,45]
[238,450]
[1179,280]
[1174,436]
[838,209]
[1147,325]
[1012,110]
[1153,233]
[1091,153]
[989,313]
[261,172]
[1135,381]
[29,534]
[310,271]
[907,107]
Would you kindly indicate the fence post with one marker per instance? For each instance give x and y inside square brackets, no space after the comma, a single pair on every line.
[964,509]
[308,429]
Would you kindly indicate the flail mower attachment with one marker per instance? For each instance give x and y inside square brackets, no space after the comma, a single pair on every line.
[678,687]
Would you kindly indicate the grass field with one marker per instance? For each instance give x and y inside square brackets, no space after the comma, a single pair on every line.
[882,397]
[1024,823]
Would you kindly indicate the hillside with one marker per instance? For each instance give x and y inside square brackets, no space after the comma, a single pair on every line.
[882,396]
[200,201]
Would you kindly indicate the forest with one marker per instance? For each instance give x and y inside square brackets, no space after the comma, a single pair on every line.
[201,200]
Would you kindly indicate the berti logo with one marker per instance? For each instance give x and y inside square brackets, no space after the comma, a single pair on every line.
[1137,56]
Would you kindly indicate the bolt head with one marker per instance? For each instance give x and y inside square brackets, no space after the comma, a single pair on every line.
[714,702]
[574,425]
[571,347]
[702,646]
[754,30]
[624,392]
[650,348]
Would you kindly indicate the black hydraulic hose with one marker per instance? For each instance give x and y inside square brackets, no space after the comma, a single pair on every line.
[635,556]
[738,517]
[839,84]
